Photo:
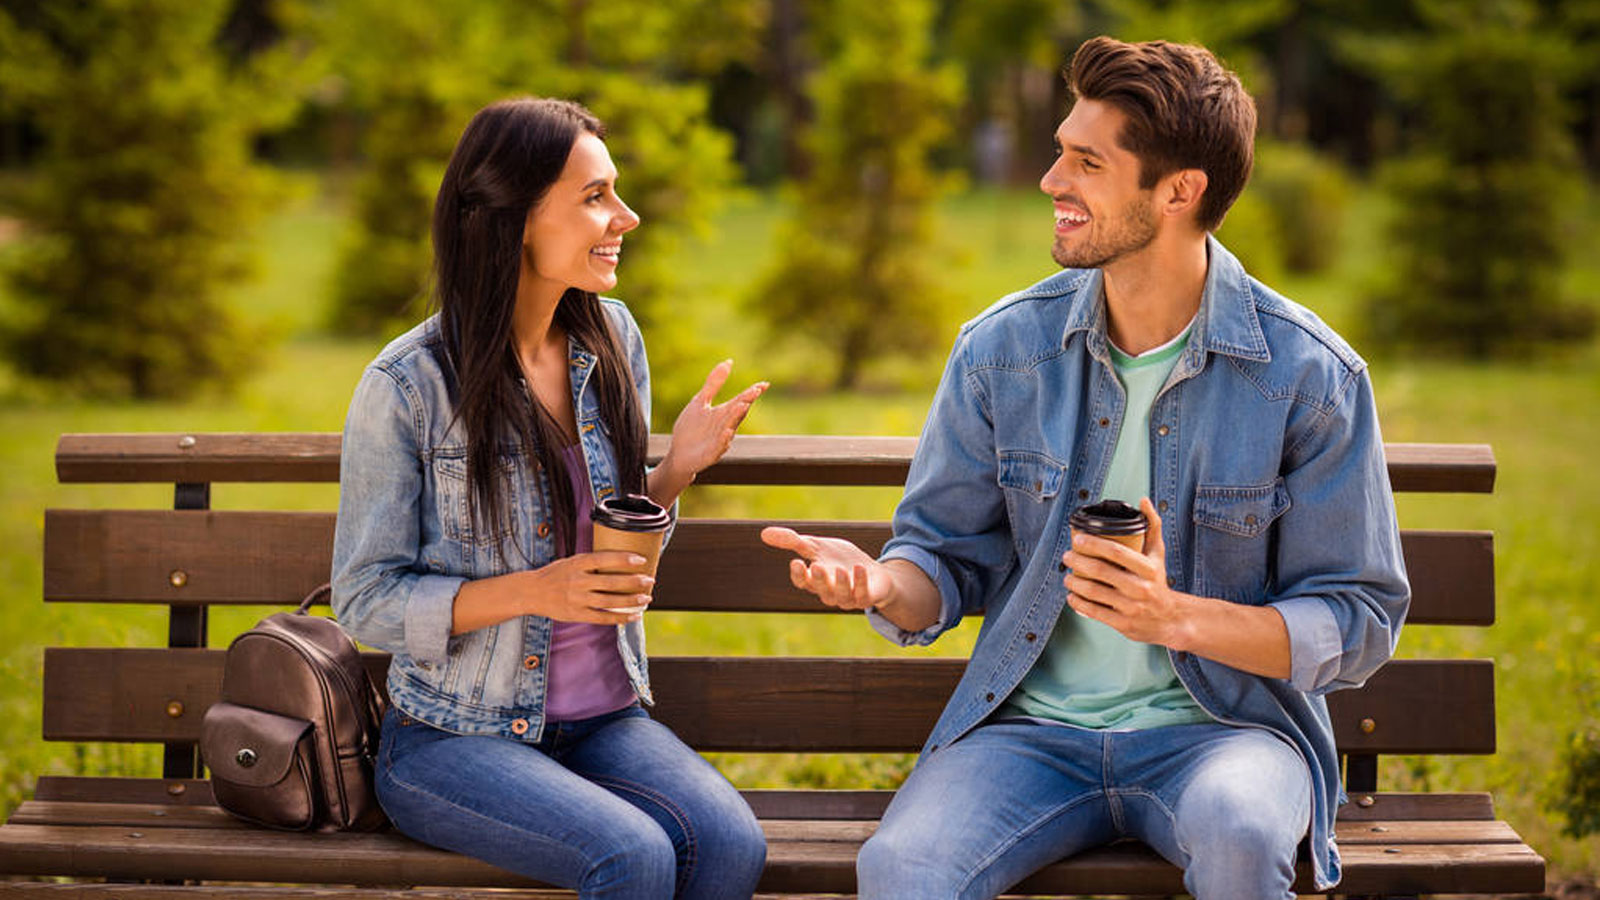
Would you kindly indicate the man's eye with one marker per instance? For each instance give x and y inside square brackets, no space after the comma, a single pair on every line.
[1091,165]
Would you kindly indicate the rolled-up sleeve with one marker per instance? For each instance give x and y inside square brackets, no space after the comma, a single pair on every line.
[382,593]
[951,522]
[1343,592]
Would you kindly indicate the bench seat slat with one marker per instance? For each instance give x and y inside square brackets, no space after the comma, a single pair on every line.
[768,803]
[762,703]
[147,815]
[799,859]
[254,557]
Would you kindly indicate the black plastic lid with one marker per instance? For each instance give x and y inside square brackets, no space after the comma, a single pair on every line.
[1108,517]
[632,512]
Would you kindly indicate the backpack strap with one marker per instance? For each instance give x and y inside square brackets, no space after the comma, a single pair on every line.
[321,592]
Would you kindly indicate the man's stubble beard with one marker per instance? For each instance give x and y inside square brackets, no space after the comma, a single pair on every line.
[1133,230]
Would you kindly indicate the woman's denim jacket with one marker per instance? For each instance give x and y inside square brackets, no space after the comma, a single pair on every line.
[1266,466]
[405,540]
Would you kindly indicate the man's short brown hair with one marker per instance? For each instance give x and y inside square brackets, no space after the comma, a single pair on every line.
[1183,109]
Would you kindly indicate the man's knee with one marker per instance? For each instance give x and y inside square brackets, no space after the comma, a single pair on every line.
[893,863]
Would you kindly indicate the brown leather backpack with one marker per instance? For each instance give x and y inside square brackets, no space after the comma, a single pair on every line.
[292,741]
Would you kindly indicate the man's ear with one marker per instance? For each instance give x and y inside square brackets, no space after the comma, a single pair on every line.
[1181,192]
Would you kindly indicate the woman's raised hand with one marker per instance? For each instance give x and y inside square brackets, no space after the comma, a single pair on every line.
[703,431]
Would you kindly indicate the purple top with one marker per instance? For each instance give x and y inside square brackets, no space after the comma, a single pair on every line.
[584,666]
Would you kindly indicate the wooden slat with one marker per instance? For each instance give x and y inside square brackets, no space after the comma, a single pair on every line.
[763,703]
[792,865]
[263,558]
[753,459]
[144,815]
[816,804]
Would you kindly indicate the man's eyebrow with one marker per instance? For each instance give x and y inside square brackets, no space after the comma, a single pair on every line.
[1085,150]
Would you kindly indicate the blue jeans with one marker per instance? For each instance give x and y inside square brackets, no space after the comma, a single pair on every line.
[614,807]
[1228,805]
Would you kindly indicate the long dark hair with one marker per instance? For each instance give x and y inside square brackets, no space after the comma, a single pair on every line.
[506,160]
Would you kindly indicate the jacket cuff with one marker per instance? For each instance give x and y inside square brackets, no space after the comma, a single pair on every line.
[1315,646]
[429,613]
[949,599]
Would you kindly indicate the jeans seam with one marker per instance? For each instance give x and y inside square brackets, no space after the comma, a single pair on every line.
[534,835]
[690,842]
[1172,820]
[983,864]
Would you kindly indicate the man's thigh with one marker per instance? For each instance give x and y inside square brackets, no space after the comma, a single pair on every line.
[981,814]
[1200,789]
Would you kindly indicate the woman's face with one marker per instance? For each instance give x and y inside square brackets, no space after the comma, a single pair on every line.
[573,237]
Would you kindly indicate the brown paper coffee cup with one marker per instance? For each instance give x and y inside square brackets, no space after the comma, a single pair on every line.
[633,523]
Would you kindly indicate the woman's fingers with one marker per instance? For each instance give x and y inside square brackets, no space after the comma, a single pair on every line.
[715,379]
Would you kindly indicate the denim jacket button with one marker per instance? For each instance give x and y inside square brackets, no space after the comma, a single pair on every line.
[1172,581]
[519,726]
[1105,422]
[1162,506]
[1163,431]
[1030,637]
[544,529]
[531,662]
[1083,493]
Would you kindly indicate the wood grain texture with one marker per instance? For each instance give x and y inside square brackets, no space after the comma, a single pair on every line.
[753,459]
[804,803]
[801,858]
[715,565]
[762,704]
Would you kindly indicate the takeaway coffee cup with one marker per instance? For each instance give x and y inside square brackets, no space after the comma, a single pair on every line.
[634,523]
[1111,519]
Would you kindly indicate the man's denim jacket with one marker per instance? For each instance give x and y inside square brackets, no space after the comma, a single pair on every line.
[1267,468]
[405,540]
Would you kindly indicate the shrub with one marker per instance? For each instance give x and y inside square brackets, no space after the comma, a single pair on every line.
[142,188]
[1307,198]
[1478,241]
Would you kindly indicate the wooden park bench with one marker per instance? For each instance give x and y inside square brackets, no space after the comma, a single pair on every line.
[162,837]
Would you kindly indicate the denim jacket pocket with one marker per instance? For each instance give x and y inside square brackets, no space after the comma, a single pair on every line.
[1234,546]
[1035,475]
[1029,481]
[455,495]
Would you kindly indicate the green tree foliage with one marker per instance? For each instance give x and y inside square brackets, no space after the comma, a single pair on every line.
[855,269]
[142,187]
[412,73]
[626,60]
[1478,239]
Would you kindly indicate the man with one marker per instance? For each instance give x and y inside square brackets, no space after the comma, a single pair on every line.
[1173,695]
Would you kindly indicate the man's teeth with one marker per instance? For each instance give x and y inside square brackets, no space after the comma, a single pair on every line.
[1071,218]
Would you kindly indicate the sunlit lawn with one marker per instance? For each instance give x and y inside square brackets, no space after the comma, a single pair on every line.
[1539,415]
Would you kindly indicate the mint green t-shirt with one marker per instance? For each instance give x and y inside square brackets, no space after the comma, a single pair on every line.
[1088,674]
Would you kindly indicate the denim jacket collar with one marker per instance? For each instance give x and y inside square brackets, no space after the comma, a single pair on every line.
[1228,323]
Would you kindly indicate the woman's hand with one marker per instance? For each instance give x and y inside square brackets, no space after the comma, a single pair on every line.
[701,434]
[588,587]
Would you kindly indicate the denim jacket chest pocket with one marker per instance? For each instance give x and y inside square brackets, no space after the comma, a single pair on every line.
[479,551]
[1030,482]
[1234,538]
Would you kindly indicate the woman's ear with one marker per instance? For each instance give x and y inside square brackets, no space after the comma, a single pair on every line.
[1181,192]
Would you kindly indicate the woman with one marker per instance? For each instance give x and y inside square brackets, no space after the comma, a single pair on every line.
[476,446]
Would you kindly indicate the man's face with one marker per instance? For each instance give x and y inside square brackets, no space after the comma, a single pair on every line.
[1102,214]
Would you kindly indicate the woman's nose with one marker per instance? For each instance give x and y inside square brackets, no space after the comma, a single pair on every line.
[625,219]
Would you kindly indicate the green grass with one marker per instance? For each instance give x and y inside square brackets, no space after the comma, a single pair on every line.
[1539,415]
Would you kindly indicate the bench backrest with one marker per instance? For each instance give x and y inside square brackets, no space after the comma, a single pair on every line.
[192,557]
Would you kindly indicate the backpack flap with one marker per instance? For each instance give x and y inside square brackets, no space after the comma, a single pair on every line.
[261,765]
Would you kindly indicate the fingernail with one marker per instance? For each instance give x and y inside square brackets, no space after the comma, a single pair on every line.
[649,582]
[636,560]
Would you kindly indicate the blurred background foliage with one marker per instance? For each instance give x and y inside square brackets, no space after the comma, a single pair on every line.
[213,212]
